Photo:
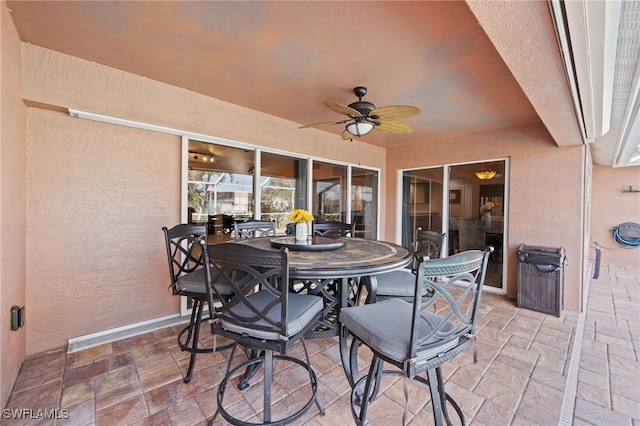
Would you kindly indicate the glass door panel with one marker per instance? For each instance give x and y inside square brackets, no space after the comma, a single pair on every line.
[476,210]
[422,202]
[330,192]
[364,202]
[220,186]
[283,187]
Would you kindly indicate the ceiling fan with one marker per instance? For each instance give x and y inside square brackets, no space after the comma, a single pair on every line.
[364,117]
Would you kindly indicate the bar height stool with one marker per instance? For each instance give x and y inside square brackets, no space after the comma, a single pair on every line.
[186,270]
[265,319]
[414,339]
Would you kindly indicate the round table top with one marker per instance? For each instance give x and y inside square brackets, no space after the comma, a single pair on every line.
[359,257]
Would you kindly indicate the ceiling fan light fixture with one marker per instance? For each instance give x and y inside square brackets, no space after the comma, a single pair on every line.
[360,128]
[485,174]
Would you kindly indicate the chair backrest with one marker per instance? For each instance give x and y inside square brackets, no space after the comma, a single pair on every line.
[254,229]
[249,272]
[426,244]
[184,251]
[471,235]
[334,229]
[456,297]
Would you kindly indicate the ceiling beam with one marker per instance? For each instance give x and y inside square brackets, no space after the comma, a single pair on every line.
[523,33]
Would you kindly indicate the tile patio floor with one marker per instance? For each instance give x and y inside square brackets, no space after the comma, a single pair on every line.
[520,379]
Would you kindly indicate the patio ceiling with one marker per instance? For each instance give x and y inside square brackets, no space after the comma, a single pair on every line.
[470,67]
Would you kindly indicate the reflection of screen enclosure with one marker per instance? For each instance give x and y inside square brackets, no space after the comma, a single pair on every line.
[329,200]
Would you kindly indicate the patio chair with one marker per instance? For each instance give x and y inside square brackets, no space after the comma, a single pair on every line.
[254,229]
[401,283]
[412,338]
[186,270]
[334,229]
[263,317]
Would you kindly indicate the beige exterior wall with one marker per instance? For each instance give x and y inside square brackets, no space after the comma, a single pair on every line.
[98,194]
[611,207]
[12,204]
[97,198]
[545,196]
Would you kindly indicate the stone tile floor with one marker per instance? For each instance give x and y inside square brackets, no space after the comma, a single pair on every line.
[523,362]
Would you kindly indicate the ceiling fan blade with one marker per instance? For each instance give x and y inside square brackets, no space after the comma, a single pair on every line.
[324,123]
[346,135]
[343,109]
[395,112]
[394,126]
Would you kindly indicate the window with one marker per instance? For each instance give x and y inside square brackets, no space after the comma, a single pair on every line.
[227,184]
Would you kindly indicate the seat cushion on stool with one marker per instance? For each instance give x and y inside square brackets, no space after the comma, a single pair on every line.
[302,310]
[366,322]
[193,282]
[400,283]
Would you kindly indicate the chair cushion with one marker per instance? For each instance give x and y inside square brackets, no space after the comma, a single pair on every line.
[303,309]
[399,283]
[193,282]
[392,337]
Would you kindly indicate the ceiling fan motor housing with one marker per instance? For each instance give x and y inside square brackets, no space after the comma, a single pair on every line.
[363,107]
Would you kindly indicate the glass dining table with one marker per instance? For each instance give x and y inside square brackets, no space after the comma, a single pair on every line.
[332,268]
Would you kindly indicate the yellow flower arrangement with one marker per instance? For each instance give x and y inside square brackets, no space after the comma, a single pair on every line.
[487,207]
[301,215]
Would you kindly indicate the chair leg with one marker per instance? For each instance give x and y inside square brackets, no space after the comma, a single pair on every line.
[444,397]
[251,370]
[268,376]
[265,359]
[189,328]
[312,377]
[190,344]
[436,401]
[368,395]
[194,334]
[222,386]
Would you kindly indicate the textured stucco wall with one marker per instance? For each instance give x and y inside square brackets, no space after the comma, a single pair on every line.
[98,193]
[97,198]
[12,204]
[545,198]
[611,207]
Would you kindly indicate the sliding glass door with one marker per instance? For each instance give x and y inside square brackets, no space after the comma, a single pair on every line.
[469,207]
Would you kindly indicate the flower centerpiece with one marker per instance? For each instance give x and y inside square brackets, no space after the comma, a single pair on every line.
[302,219]
[487,207]
[485,214]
